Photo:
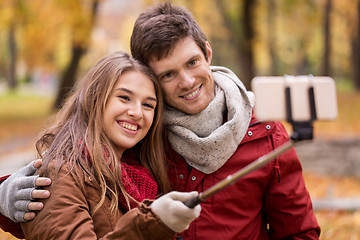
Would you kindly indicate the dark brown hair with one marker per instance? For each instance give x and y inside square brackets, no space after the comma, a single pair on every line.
[158,29]
[79,123]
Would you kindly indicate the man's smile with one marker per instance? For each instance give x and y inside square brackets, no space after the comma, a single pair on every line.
[192,95]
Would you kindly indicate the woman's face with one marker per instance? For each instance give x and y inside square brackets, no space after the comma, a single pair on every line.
[130,110]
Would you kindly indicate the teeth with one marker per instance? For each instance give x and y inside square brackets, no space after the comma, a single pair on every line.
[192,94]
[128,126]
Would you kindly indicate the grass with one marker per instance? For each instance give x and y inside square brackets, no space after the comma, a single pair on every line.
[24,115]
[339,225]
[14,105]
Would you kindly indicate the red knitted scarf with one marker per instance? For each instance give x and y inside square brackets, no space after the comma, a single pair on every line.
[137,181]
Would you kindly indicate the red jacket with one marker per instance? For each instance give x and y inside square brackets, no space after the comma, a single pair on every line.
[269,203]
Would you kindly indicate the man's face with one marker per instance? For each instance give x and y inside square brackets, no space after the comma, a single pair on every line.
[185,77]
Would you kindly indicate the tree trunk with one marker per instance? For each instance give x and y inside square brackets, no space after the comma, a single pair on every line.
[12,84]
[69,76]
[241,39]
[327,39]
[356,54]
[272,36]
[247,48]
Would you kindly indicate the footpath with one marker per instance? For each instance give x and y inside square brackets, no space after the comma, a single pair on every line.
[337,158]
[15,154]
[334,157]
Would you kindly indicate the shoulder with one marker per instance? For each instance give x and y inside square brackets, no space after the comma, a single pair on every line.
[66,197]
[259,129]
[59,170]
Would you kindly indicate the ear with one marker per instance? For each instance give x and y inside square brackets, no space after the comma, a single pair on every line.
[209,51]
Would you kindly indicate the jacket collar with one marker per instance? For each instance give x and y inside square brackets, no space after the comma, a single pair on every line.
[258,129]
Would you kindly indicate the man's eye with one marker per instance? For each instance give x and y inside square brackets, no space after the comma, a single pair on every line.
[167,75]
[193,62]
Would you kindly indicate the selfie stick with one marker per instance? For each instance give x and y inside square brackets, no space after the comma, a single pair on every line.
[191,203]
[302,131]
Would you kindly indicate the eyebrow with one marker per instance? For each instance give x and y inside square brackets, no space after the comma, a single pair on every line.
[131,92]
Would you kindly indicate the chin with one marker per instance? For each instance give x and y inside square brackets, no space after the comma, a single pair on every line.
[194,110]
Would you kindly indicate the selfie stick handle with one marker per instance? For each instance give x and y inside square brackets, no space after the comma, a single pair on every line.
[191,203]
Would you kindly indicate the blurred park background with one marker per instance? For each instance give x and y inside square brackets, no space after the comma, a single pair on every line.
[46,45]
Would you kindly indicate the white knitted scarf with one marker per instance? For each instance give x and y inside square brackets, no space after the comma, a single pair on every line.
[204,140]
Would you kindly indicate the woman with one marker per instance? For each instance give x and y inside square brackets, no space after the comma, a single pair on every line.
[116,110]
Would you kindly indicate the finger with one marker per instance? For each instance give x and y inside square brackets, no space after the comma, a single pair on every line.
[22,205]
[187,214]
[37,163]
[28,170]
[183,196]
[43,194]
[42,181]
[35,206]
[24,194]
[19,216]
[197,211]
[29,216]
[26,182]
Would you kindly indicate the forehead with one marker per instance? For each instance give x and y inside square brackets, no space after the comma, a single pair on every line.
[183,51]
[136,82]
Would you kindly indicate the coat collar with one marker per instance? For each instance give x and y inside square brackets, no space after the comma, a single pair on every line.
[258,129]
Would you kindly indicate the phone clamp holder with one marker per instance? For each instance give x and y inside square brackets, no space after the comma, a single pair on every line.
[302,130]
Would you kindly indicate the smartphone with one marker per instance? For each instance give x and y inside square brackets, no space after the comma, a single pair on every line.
[278,97]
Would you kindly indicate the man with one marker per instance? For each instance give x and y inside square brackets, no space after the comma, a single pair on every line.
[212,133]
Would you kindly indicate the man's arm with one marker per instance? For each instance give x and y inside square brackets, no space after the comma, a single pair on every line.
[18,191]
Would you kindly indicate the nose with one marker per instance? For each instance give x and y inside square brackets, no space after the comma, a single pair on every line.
[135,111]
[186,80]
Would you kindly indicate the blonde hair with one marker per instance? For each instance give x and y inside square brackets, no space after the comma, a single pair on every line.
[79,124]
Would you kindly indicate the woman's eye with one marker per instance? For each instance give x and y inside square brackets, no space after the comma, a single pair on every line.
[124,97]
[148,105]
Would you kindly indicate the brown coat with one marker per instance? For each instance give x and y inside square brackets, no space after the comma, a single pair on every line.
[67,215]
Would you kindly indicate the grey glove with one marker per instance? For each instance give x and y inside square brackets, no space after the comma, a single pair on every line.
[172,211]
[15,193]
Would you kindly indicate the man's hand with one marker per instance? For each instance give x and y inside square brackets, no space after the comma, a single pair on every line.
[18,191]
[172,211]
